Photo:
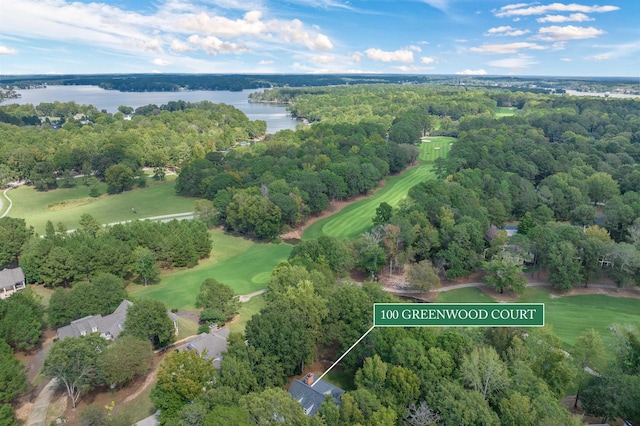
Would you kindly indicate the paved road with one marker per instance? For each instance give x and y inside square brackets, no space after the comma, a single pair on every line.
[246,297]
[38,415]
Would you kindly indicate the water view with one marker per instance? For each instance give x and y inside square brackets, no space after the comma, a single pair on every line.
[276,116]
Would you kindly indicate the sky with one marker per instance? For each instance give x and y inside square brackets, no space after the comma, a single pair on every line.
[465,37]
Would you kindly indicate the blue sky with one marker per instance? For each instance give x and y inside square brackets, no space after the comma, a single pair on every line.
[492,37]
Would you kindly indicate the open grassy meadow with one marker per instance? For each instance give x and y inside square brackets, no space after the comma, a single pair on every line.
[568,316]
[505,112]
[356,218]
[239,263]
[67,205]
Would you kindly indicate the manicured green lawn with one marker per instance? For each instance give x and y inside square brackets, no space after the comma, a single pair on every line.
[568,316]
[463,295]
[433,147]
[67,205]
[246,311]
[356,218]
[505,112]
[242,264]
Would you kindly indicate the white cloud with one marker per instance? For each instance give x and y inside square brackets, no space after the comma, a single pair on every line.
[524,9]
[323,59]
[4,50]
[265,62]
[569,32]
[603,57]
[213,45]
[461,40]
[177,26]
[357,56]
[556,19]
[202,23]
[178,46]
[400,55]
[518,63]
[427,60]
[294,32]
[423,42]
[505,30]
[507,48]
[411,68]
[566,59]
[617,51]
[161,62]
[472,72]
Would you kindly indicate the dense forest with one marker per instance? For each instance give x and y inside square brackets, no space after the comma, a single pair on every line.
[563,168]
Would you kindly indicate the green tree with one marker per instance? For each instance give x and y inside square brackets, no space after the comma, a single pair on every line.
[147,319]
[383,214]
[74,362]
[484,371]
[7,415]
[144,264]
[206,211]
[215,295]
[223,415]
[505,272]
[564,265]
[126,358]
[21,320]
[601,187]
[273,406]
[182,377]
[118,178]
[59,268]
[516,410]
[13,379]
[423,276]
[89,224]
[590,356]
[98,297]
[14,234]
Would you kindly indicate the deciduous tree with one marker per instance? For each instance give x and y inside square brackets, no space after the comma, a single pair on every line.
[74,362]
[147,319]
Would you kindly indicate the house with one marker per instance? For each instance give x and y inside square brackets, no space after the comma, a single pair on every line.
[209,345]
[11,280]
[311,393]
[109,326]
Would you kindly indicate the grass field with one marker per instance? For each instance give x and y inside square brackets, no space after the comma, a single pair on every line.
[241,264]
[463,295]
[505,112]
[356,218]
[67,205]
[568,316]
[246,311]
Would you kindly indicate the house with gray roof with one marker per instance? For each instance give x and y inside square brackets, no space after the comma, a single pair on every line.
[311,393]
[209,345]
[109,326]
[11,281]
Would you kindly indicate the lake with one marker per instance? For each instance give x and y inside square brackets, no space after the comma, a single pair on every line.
[275,115]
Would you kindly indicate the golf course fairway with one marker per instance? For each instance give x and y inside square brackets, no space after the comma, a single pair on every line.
[356,218]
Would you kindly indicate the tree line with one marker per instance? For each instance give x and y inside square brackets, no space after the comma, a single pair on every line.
[290,176]
[96,144]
